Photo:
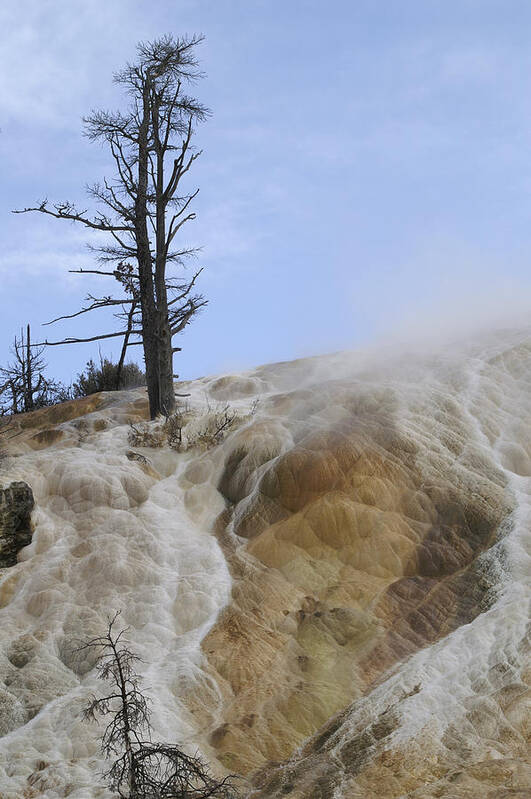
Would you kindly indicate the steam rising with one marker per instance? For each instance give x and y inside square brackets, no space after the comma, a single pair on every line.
[116,534]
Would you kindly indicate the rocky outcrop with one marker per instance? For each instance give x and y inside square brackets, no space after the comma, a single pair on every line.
[16,504]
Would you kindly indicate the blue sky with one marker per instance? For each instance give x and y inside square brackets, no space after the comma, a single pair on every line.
[367,168]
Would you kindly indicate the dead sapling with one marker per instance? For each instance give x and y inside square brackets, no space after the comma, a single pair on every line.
[219,423]
[145,434]
[141,768]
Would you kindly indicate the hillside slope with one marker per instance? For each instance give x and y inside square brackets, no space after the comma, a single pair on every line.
[331,601]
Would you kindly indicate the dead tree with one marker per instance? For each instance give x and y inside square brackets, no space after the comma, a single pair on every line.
[143,209]
[23,386]
[141,768]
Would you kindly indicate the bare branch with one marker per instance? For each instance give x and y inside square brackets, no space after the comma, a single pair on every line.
[93,272]
[169,116]
[178,165]
[180,318]
[107,195]
[68,211]
[107,125]
[106,302]
[86,340]
[186,289]
[124,167]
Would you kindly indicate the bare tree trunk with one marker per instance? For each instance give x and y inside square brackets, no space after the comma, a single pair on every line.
[165,352]
[167,391]
[133,792]
[21,358]
[147,298]
[28,399]
[120,367]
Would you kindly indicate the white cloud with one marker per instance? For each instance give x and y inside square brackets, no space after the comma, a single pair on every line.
[53,55]
[46,250]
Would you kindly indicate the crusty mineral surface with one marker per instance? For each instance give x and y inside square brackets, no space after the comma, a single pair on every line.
[330,600]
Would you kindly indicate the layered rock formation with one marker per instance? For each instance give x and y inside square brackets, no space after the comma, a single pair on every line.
[16,505]
[331,602]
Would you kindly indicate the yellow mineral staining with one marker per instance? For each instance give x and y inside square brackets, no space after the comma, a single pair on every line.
[357,540]
[71,423]
[374,527]
[331,602]
[45,438]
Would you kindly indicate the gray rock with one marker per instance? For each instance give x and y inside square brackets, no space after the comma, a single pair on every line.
[16,504]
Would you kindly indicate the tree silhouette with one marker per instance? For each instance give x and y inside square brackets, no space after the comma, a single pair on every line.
[143,209]
[141,768]
[23,385]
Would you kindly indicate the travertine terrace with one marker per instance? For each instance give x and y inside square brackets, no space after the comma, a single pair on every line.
[331,602]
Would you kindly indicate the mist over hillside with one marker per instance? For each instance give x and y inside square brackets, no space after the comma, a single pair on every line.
[329,596]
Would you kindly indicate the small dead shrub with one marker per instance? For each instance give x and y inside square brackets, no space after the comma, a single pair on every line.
[217,424]
[188,429]
[174,426]
[145,435]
